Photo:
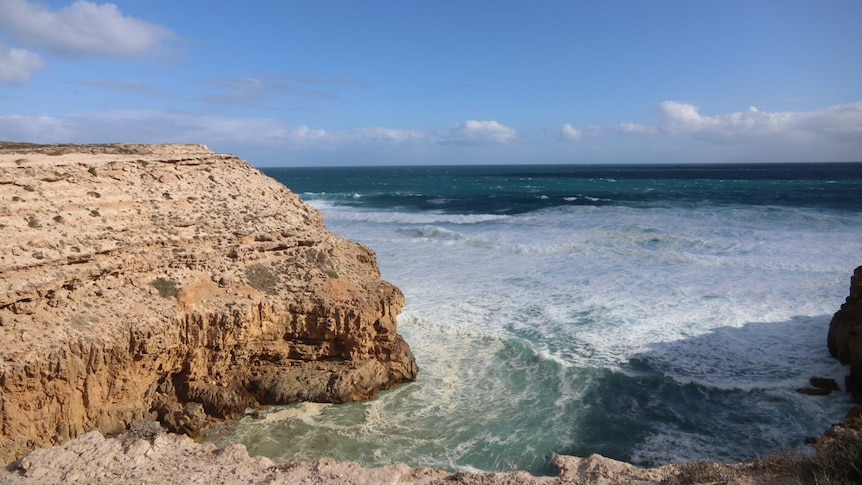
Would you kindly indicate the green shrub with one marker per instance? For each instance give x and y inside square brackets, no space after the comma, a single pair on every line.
[33,222]
[92,171]
[261,278]
[29,188]
[166,287]
[143,430]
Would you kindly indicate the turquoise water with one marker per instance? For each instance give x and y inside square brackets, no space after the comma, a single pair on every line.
[653,314]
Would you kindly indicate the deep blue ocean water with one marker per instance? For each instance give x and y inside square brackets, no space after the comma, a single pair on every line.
[649,313]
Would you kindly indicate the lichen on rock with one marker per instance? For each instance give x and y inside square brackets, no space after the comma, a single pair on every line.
[201,287]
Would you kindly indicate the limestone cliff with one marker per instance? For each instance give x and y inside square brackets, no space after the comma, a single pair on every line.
[174,282]
[845,333]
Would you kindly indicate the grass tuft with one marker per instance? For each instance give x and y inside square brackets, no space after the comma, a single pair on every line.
[839,461]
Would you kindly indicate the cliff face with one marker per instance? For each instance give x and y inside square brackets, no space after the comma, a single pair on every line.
[172,282]
[845,333]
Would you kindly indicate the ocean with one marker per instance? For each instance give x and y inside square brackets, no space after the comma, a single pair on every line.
[649,313]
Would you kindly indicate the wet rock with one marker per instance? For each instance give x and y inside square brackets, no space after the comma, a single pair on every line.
[845,334]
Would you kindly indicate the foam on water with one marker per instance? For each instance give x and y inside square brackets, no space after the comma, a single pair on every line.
[654,335]
[334,213]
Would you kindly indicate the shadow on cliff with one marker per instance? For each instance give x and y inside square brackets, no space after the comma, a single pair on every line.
[726,396]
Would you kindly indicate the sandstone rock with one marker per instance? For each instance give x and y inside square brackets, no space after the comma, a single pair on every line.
[845,333]
[146,457]
[169,275]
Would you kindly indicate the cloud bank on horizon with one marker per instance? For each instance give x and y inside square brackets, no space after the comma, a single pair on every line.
[335,83]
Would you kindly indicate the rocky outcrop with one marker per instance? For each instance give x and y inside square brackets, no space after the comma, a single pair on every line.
[143,281]
[845,334]
[174,459]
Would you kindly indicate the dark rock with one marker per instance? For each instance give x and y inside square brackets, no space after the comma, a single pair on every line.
[178,418]
[824,383]
[845,334]
[813,391]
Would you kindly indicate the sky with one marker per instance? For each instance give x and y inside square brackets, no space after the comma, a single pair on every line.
[319,82]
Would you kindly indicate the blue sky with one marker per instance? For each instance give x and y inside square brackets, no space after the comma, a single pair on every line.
[441,82]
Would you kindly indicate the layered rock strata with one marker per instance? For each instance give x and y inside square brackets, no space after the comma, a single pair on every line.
[845,334]
[142,281]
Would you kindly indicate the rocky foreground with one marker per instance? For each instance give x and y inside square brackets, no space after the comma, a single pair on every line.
[175,459]
[170,283]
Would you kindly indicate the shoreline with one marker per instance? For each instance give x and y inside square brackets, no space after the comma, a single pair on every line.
[146,454]
[170,458]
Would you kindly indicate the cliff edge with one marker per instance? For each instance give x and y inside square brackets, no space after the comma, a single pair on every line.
[845,334]
[171,282]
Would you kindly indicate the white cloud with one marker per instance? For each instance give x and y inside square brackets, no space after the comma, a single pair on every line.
[636,129]
[149,126]
[570,133]
[16,65]
[303,133]
[478,132]
[681,133]
[139,126]
[388,135]
[38,129]
[835,122]
[840,123]
[83,29]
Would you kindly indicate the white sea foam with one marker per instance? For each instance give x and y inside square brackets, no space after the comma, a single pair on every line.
[524,325]
[302,412]
[339,215]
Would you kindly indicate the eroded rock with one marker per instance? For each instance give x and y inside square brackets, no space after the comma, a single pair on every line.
[845,333]
[177,283]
